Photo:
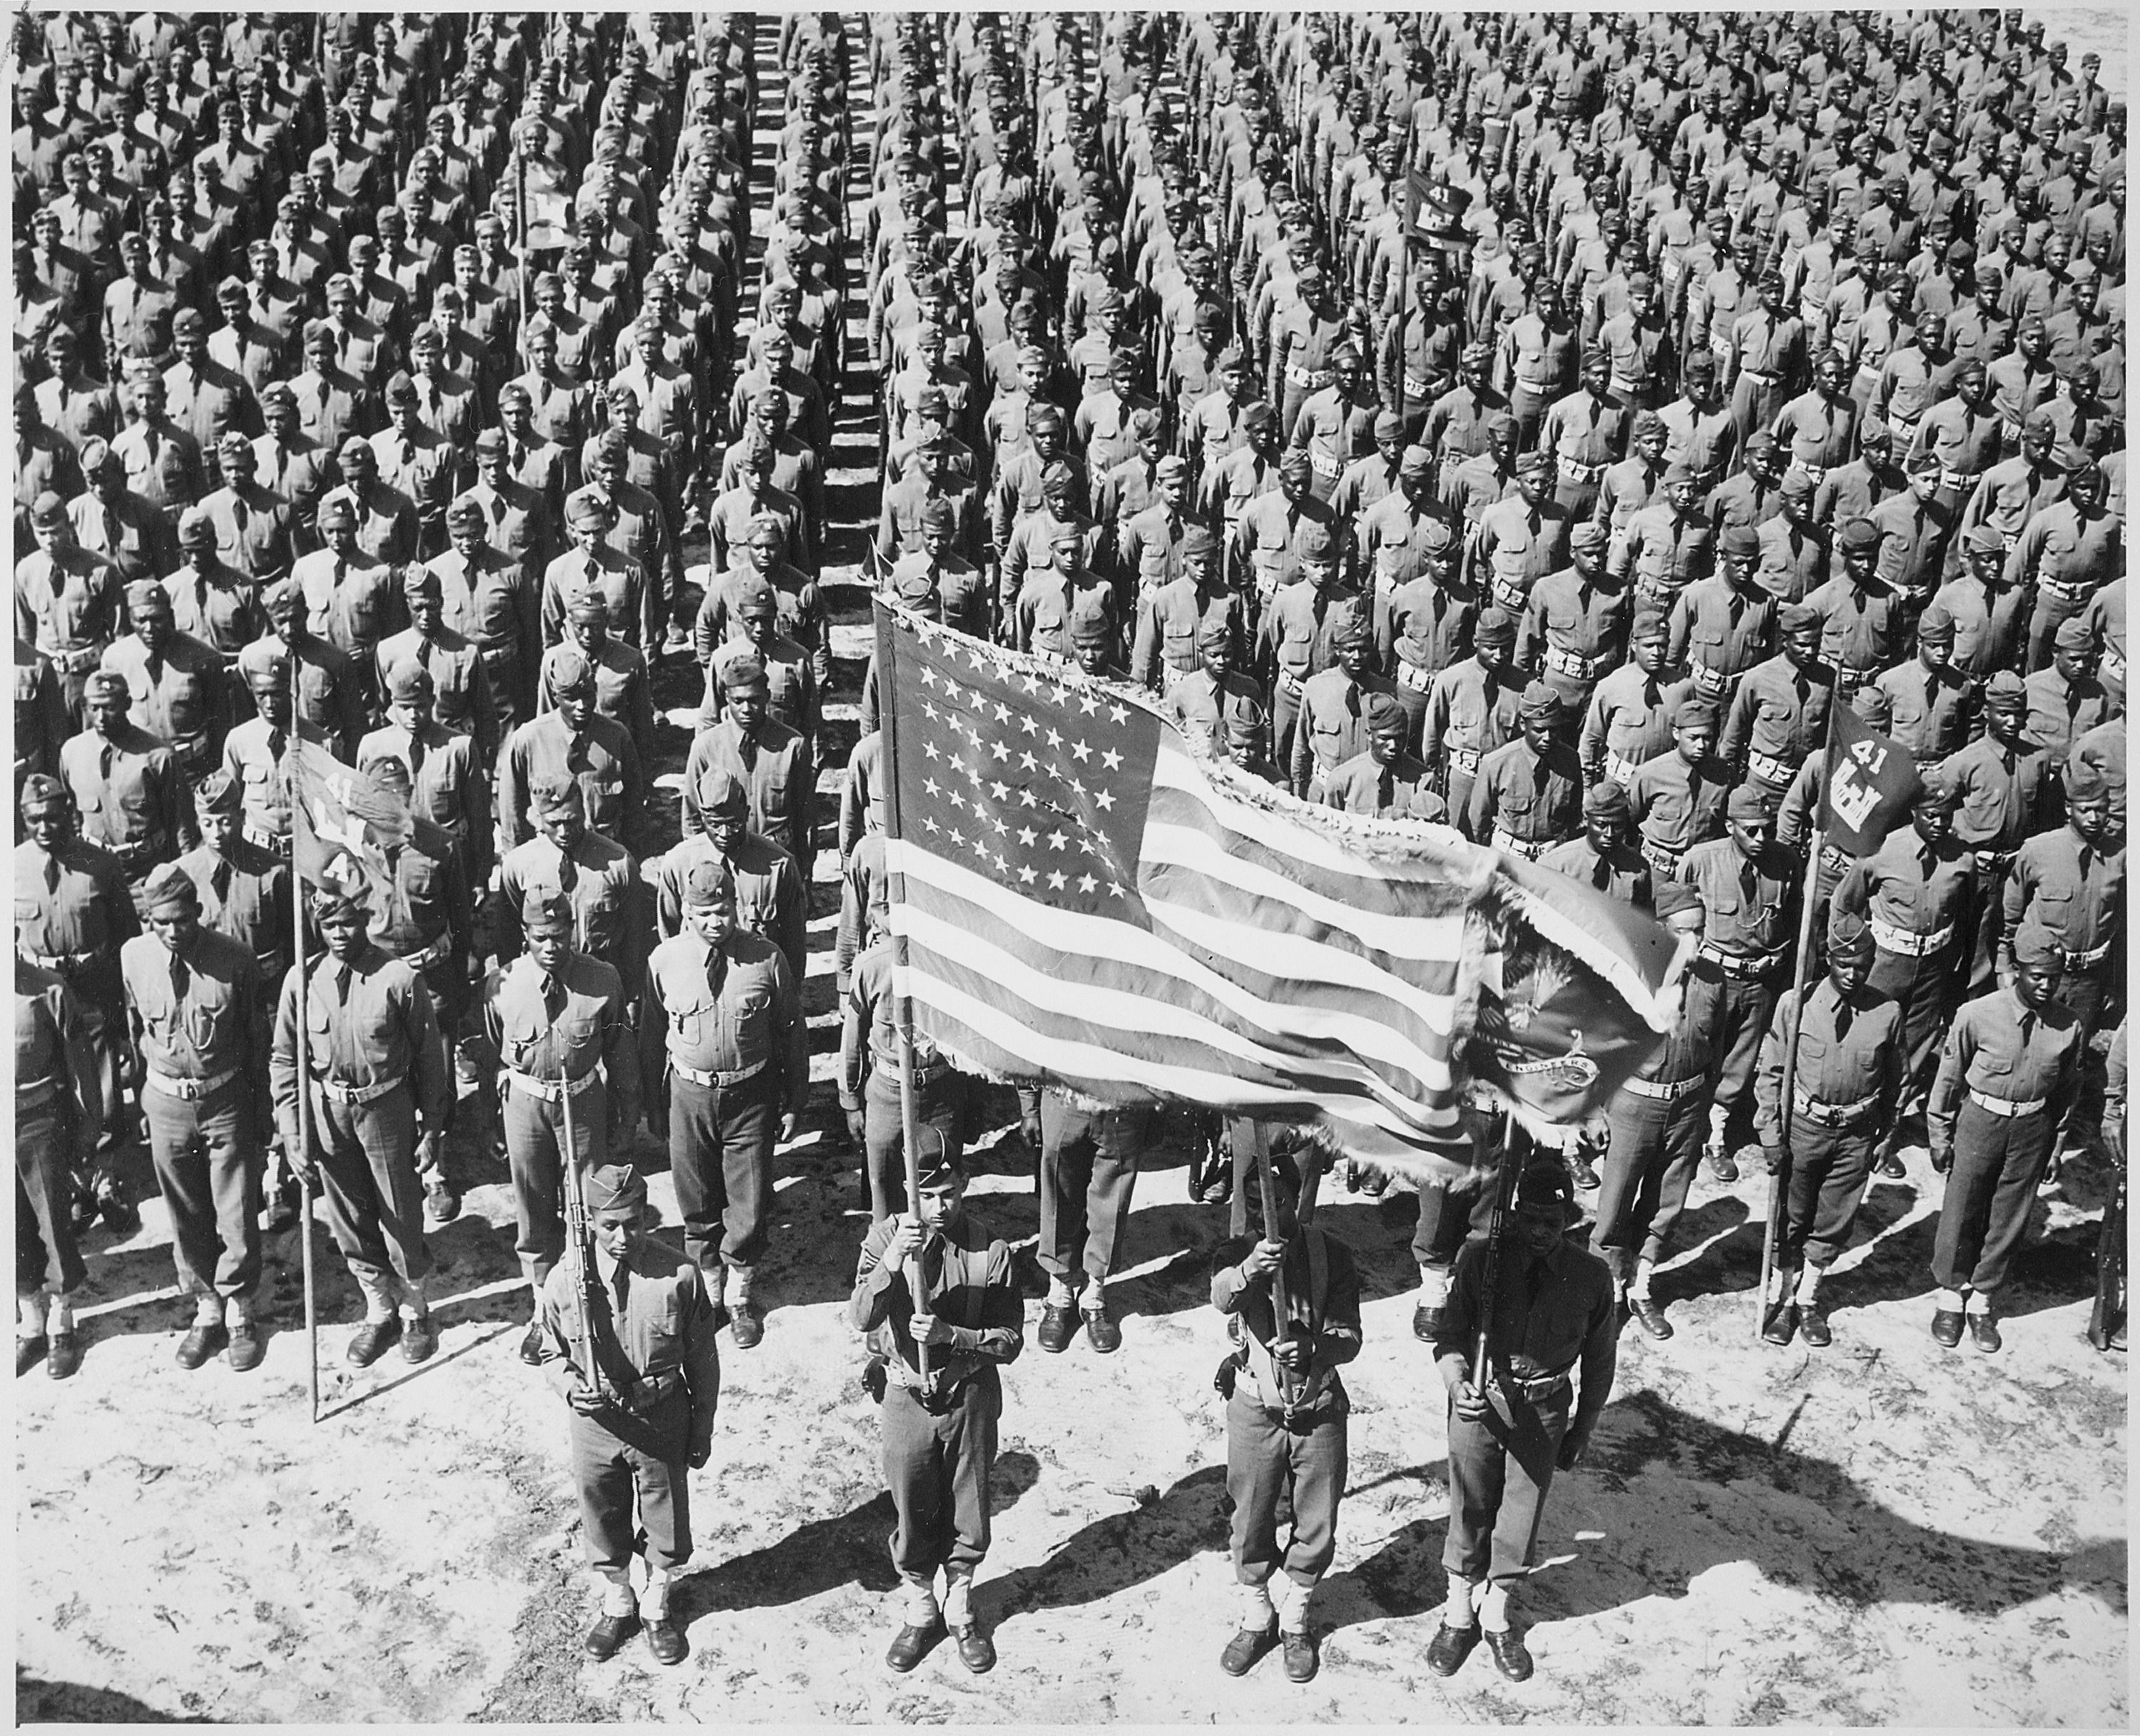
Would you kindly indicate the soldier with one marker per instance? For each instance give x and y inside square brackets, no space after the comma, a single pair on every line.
[573,741]
[642,1416]
[768,759]
[1506,1442]
[460,681]
[427,923]
[127,785]
[2004,789]
[593,565]
[1658,1121]
[333,696]
[198,1015]
[1528,793]
[554,1022]
[1291,1298]
[1749,887]
[1917,893]
[1333,725]
[377,1070]
[771,900]
[1847,1037]
[935,1343]
[869,1080]
[60,1111]
[66,599]
[1677,799]
[2006,1095]
[1206,699]
[2072,883]
[1386,780]
[724,1051]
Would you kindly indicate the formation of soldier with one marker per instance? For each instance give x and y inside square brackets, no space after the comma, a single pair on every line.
[1531,427]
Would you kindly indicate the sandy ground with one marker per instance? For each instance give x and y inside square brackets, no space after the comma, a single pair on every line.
[1881,1533]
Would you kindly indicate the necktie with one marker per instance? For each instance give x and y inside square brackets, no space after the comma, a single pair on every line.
[1843,1015]
[717,968]
[1746,881]
[239,513]
[342,974]
[340,571]
[180,977]
[569,873]
[1384,789]
[553,996]
[276,741]
[51,873]
[104,764]
[218,878]
[623,1287]
[1601,875]
[416,756]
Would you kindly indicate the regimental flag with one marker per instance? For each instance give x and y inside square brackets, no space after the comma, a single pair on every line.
[1434,212]
[1083,899]
[1868,786]
[344,822]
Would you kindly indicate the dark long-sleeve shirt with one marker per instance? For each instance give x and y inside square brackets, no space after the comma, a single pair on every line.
[967,1282]
[1549,1315]
[1323,1307]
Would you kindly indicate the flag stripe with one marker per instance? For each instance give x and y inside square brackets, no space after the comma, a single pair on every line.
[1434,940]
[1079,946]
[980,1024]
[1432,859]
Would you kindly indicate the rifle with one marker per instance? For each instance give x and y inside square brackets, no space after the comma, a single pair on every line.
[1504,1188]
[579,1244]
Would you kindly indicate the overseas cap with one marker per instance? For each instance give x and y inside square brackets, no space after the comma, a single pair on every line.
[2075,635]
[615,1188]
[1541,704]
[170,888]
[707,883]
[1496,628]
[546,912]
[557,794]
[218,793]
[1385,715]
[2036,946]
[1668,897]
[1606,800]
[1849,936]
[1748,807]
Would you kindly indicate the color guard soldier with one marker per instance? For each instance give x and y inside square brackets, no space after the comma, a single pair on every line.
[197,1013]
[726,1070]
[642,1417]
[936,1297]
[1286,1413]
[1552,1309]
[1848,1039]
[60,1111]
[2007,1093]
[1658,1121]
[377,1068]
[554,1021]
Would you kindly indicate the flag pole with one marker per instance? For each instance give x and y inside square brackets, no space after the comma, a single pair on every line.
[300,1159]
[1779,1183]
[909,1114]
[1504,1191]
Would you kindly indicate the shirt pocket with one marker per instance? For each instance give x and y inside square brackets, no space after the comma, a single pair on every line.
[319,1029]
[691,1015]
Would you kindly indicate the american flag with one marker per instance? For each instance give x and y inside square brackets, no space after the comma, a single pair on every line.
[1081,898]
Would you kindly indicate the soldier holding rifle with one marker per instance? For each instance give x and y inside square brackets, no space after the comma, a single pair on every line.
[1292,1300]
[1516,1328]
[627,1340]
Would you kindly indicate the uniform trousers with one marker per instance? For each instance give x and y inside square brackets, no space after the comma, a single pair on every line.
[1924,989]
[1734,1011]
[1499,1470]
[720,1151]
[1990,926]
[618,1456]
[374,1202]
[534,1137]
[1088,1170]
[47,1257]
[1653,1149]
[1984,1214]
[1275,1474]
[1829,1169]
[209,1163]
[1448,1218]
[939,1101]
[1285,720]
[937,1464]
